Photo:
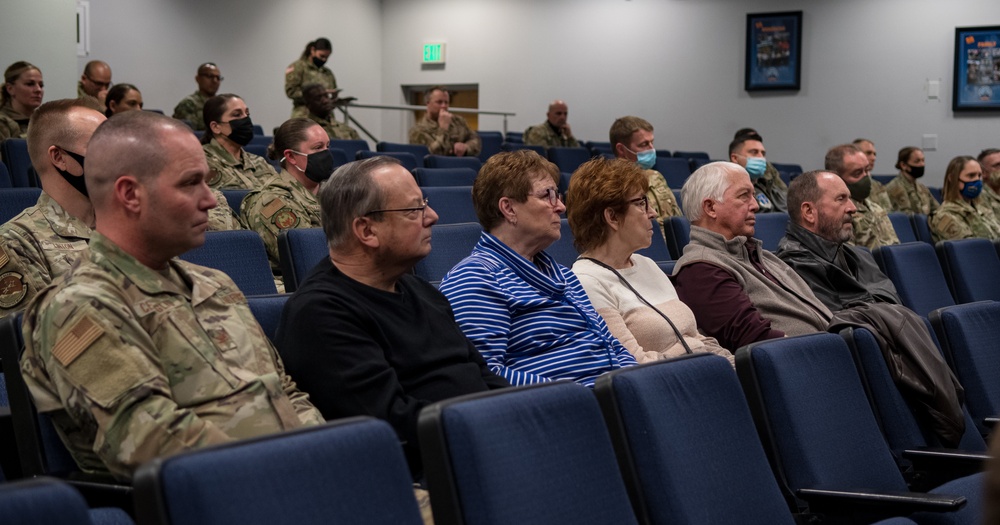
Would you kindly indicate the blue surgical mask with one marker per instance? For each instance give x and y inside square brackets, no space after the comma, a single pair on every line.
[756,167]
[972,189]
[645,159]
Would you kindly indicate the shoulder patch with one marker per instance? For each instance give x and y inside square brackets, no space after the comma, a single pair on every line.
[12,289]
[79,338]
[4,259]
[289,69]
[272,207]
[213,177]
[285,219]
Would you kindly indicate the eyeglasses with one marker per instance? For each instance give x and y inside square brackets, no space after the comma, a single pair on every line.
[550,194]
[641,202]
[413,210]
[104,85]
[213,77]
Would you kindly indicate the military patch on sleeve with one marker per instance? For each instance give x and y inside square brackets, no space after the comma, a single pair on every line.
[285,219]
[272,207]
[289,69]
[12,289]
[4,259]
[79,338]
[213,177]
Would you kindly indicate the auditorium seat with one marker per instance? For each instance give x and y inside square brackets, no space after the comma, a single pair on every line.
[351,147]
[348,471]
[678,235]
[563,250]
[406,159]
[43,500]
[884,179]
[697,163]
[299,251]
[663,153]
[234,198]
[417,150]
[445,176]
[443,161]
[5,177]
[514,137]
[514,146]
[241,255]
[533,454]
[674,170]
[14,200]
[937,193]
[564,178]
[691,154]
[915,271]
[267,311]
[450,243]
[903,225]
[453,204]
[817,426]
[770,228]
[491,141]
[677,197]
[657,250]
[15,155]
[972,269]
[568,159]
[793,170]
[922,228]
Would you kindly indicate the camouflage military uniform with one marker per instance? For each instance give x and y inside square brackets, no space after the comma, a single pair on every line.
[661,200]
[281,204]
[82,95]
[222,217]
[135,364]
[911,197]
[13,125]
[303,72]
[37,246]
[880,196]
[190,109]
[544,135]
[771,192]
[872,227]
[442,142]
[962,220]
[990,198]
[227,172]
[336,130]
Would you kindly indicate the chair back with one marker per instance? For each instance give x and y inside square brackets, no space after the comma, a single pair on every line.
[234,198]
[5,181]
[14,153]
[348,471]
[299,251]
[678,235]
[903,226]
[408,161]
[417,150]
[514,137]
[445,176]
[770,229]
[351,147]
[674,170]
[15,200]
[690,154]
[922,228]
[450,243]
[241,255]
[916,272]
[788,168]
[442,161]
[670,419]
[514,146]
[568,159]
[453,204]
[267,310]
[491,141]
[42,501]
[657,250]
[965,263]
[563,250]
[537,454]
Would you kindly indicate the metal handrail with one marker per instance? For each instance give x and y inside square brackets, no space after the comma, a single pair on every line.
[349,118]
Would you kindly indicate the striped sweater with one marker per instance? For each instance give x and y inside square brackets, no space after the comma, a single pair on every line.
[531,323]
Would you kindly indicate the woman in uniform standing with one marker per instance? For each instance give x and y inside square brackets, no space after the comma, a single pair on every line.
[309,68]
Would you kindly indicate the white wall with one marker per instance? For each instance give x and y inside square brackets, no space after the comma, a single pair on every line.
[42,32]
[680,65]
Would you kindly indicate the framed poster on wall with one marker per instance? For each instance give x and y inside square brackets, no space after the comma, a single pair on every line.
[977,69]
[774,51]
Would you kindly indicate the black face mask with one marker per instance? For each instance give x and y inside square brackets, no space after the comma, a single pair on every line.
[241,131]
[916,171]
[74,180]
[318,62]
[319,165]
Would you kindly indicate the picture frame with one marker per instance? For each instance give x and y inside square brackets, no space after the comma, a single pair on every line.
[976,84]
[773,51]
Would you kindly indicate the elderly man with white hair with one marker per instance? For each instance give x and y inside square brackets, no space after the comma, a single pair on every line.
[739,292]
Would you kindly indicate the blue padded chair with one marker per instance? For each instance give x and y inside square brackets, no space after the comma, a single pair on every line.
[788,168]
[450,243]
[241,255]
[568,159]
[535,454]
[903,226]
[348,471]
[257,149]
[442,161]
[417,150]
[678,235]
[351,147]
[491,141]
[922,228]
[564,178]
[514,146]
[677,197]
[917,274]
[697,163]
[234,198]
[937,193]
[691,154]
[453,204]
[261,140]
[406,159]
[674,170]
[657,250]
[14,200]
[563,250]
[818,429]
[663,153]
[299,251]
[445,176]
[267,310]
[670,419]
[339,157]
[514,137]
[258,130]
[884,179]
[770,229]
[43,500]
[969,334]
[4,177]
[15,155]
[971,267]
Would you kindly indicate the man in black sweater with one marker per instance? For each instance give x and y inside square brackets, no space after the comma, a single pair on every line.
[362,335]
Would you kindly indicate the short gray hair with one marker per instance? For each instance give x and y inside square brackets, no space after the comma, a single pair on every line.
[349,193]
[707,182]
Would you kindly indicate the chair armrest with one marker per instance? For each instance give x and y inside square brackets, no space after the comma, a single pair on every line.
[991,422]
[931,467]
[101,491]
[880,505]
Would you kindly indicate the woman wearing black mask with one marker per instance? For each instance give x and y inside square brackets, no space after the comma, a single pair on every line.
[289,200]
[227,129]
[308,69]
[905,192]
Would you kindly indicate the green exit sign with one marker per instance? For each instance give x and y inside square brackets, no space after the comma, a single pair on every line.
[434,53]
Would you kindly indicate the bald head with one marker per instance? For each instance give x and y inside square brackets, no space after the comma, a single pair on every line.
[558,113]
[66,124]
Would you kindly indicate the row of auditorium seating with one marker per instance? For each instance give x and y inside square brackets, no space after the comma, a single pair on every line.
[634,451]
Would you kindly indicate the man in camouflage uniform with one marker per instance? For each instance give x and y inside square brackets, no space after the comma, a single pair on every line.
[94,83]
[771,192]
[989,159]
[554,132]
[632,137]
[190,107]
[872,227]
[320,106]
[135,353]
[441,131]
[301,73]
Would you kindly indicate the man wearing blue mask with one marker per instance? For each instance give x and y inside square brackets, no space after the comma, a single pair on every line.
[632,139]
[747,150]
